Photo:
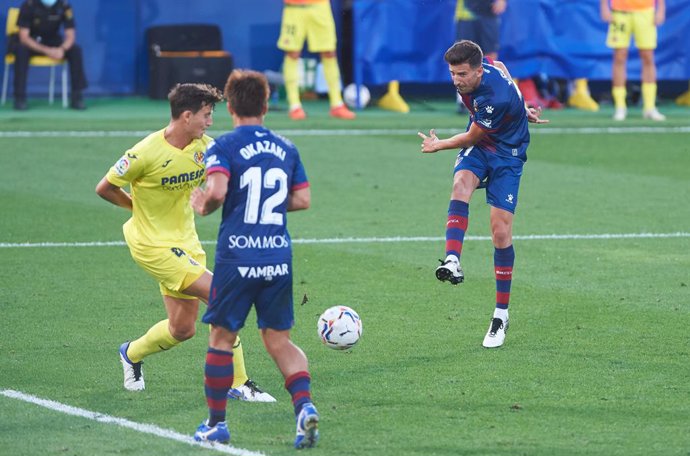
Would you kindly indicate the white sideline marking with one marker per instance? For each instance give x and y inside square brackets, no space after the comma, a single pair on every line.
[350,132]
[139,427]
[375,240]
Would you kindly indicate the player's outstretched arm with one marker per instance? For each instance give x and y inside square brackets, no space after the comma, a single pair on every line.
[113,194]
[431,143]
[206,201]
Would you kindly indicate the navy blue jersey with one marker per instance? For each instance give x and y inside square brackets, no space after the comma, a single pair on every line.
[497,107]
[263,168]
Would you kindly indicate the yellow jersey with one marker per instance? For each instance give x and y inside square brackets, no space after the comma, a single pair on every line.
[161,179]
[632,5]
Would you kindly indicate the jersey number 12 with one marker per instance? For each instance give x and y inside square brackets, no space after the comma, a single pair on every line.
[256,183]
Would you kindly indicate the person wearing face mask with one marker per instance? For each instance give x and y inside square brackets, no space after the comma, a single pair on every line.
[39,25]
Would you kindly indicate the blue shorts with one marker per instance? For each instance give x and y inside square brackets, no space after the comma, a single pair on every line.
[236,287]
[502,175]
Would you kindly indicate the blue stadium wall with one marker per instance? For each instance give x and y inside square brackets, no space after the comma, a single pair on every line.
[406,40]
[393,39]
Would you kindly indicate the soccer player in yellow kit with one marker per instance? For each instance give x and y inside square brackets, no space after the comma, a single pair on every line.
[310,20]
[162,170]
[638,18]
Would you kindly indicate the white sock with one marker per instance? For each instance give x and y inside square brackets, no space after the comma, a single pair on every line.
[501,313]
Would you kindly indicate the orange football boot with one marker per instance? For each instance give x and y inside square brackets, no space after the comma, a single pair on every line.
[297,113]
[341,112]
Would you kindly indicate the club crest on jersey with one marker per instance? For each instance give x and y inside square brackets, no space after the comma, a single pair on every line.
[489,109]
[199,157]
[263,272]
[121,166]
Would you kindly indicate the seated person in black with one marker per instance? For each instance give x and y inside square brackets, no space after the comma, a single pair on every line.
[39,34]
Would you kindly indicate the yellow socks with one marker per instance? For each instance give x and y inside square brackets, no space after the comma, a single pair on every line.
[238,362]
[648,95]
[619,94]
[156,339]
[331,73]
[291,76]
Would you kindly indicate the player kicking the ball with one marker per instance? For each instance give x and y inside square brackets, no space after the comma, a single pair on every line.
[492,153]
[162,170]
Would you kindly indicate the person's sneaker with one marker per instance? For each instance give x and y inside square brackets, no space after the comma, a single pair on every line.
[250,392]
[134,376]
[620,114]
[307,427]
[653,114]
[496,334]
[341,112]
[450,271]
[297,113]
[217,433]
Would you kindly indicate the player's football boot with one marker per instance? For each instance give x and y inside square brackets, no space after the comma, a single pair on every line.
[496,334]
[217,433]
[653,114]
[297,113]
[307,427]
[341,112]
[134,376]
[250,392]
[620,114]
[450,271]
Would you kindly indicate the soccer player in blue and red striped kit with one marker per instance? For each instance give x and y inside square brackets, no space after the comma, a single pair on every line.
[493,150]
[257,176]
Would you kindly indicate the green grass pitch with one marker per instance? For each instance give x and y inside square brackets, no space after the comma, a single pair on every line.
[595,362]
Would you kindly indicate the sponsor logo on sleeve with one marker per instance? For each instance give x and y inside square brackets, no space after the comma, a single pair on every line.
[121,166]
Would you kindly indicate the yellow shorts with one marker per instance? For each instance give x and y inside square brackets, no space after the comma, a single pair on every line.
[174,268]
[313,22]
[639,24]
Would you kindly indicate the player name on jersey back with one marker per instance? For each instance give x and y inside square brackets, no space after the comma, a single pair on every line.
[262,147]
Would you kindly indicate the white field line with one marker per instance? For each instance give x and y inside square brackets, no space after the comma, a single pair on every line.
[139,427]
[350,132]
[377,240]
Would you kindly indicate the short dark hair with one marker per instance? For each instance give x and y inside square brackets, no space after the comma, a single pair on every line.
[192,97]
[247,92]
[464,51]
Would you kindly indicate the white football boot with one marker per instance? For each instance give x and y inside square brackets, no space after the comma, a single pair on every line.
[496,334]
[250,392]
[134,376]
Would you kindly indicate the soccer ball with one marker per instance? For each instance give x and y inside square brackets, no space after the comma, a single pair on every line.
[350,96]
[339,327]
